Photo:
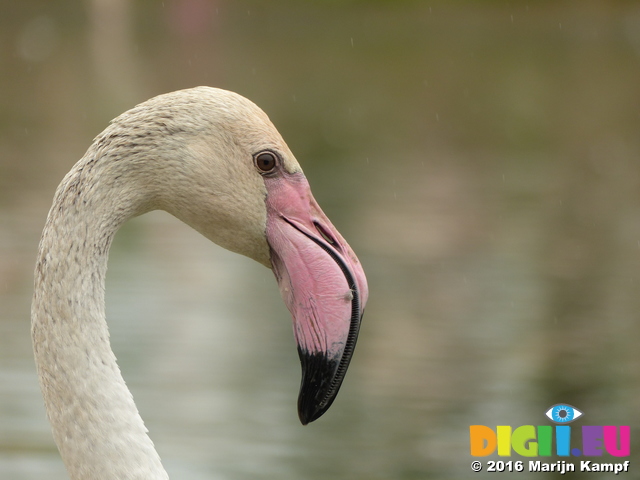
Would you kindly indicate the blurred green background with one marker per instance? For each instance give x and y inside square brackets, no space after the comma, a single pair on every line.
[482,159]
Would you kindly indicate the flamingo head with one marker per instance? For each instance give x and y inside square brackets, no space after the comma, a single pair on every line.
[234,179]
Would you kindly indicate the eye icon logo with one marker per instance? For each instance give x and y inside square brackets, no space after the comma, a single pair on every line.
[563,413]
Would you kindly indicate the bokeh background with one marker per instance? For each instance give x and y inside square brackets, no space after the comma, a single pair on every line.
[482,158]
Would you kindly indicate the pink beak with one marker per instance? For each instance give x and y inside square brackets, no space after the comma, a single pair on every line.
[323,285]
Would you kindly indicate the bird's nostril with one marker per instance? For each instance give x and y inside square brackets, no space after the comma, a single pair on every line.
[324,234]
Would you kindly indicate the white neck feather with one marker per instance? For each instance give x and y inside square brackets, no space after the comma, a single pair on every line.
[95,422]
[188,152]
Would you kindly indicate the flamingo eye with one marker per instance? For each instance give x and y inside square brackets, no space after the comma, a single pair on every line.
[266,162]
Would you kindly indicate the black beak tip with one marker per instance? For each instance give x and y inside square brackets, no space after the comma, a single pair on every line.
[307,417]
[311,411]
[319,386]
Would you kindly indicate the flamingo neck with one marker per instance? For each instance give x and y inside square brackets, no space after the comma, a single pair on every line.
[95,422]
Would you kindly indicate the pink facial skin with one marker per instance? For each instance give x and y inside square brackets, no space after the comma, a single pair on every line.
[321,282]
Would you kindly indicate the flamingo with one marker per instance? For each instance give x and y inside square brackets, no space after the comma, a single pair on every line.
[214,160]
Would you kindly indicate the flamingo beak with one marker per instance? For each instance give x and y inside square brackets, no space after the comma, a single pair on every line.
[323,285]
